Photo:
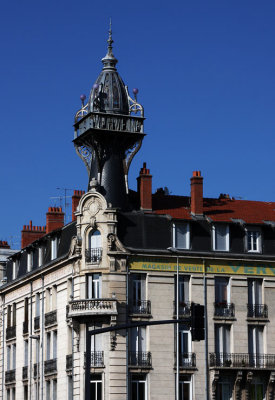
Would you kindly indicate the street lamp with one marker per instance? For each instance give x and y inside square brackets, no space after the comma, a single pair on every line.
[175,251]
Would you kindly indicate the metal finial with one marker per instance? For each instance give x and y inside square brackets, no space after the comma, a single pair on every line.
[110,40]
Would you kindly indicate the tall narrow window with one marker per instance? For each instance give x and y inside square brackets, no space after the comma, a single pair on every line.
[138,294]
[94,253]
[54,297]
[256,308]
[53,248]
[26,352]
[15,267]
[256,345]
[138,354]
[224,391]
[26,316]
[184,301]
[40,256]
[14,356]
[223,307]
[253,240]
[48,390]
[220,234]
[97,359]
[54,333]
[185,387]
[14,314]
[185,355]
[96,387]
[8,358]
[181,235]
[94,286]
[138,387]
[29,260]
[37,304]
[70,388]
[9,314]
[222,345]
[54,389]
[48,346]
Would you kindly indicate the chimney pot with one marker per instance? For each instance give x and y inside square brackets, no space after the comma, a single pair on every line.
[197,193]
[144,182]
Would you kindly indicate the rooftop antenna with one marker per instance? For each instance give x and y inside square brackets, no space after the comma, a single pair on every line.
[66,204]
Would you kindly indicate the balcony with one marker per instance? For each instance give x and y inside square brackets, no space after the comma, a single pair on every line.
[242,360]
[11,332]
[224,310]
[257,311]
[140,359]
[186,360]
[36,370]
[93,255]
[50,318]
[50,366]
[25,327]
[69,362]
[25,373]
[90,307]
[36,323]
[140,307]
[184,309]
[10,376]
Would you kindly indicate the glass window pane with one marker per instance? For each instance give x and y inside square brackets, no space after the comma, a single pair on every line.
[181,236]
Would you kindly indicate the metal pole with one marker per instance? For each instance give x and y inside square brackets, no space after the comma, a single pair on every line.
[206,334]
[177,335]
[42,340]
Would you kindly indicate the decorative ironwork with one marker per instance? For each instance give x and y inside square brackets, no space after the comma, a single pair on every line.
[86,154]
[97,359]
[10,376]
[25,327]
[36,370]
[140,307]
[11,332]
[92,307]
[36,323]
[134,106]
[224,309]
[186,360]
[242,360]
[93,255]
[50,318]
[184,309]
[50,366]
[25,373]
[257,311]
[69,362]
[140,359]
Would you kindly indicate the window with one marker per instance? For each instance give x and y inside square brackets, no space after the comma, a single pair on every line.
[26,316]
[253,240]
[94,252]
[181,235]
[255,291]
[185,355]
[138,387]
[25,392]
[256,391]
[184,305]
[138,355]
[26,352]
[29,260]
[15,267]
[14,356]
[40,256]
[37,304]
[48,390]
[97,359]
[220,237]
[53,248]
[96,387]
[54,389]
[222,345]
[138,294]
[224,391]
[256,345]
[185,388]
[70,387]
[223,308]
[8,358]
[94,286]
[51,345]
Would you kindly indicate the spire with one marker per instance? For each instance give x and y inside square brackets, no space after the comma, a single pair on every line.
[109,61]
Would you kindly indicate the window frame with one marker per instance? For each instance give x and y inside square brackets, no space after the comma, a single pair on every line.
[227,237]
[258,239]
[187,234]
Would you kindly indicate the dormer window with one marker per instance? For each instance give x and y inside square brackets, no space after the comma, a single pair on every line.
[53,248]
[40,256]
[220,237]
[253,240]
[29,261]
[15,267]
[181,235]
[94,252]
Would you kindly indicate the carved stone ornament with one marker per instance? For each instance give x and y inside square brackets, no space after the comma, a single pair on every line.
[93,206]
[75,247]
[114,244]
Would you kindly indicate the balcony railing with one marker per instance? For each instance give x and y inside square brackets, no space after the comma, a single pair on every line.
[88,307]
[25,327]
[257,311]
[184,309]
[97,359]
[141,359]
[93,255]
[50,366]
[25,373]
[50,318]
[140,307]
[11,332]
[10,376]
[69,362]
[36,323]
[224,309]
[36,370]
[186,360]
[242,360]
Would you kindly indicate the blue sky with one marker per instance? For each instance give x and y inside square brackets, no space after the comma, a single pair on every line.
[205,70]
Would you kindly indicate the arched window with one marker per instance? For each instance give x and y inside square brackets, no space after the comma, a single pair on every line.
[94,252]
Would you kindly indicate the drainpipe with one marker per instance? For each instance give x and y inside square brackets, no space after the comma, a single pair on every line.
[42,340]
[206,332]
[30,344]
[3,347]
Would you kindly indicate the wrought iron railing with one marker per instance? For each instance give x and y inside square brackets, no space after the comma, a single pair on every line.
[69,362]
[140,307]
[11,332]
[97,359]
[186,360]
[140,359]
[25,373]
[50,366]
[25,327]
[50,318]
[224,309]
[36,323]
[242,360]
[92,306]
[10,376]
[36,370]
[184,308]
[257,311]
[93,255]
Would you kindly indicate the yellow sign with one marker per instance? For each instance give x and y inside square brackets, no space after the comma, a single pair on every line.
[212,267]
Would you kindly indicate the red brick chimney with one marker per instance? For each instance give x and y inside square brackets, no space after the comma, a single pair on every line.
[75,201]
[4,245]
[197,193]
[31,233]
[145,188]
[54,219]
